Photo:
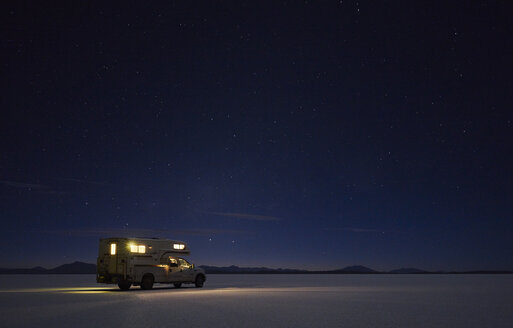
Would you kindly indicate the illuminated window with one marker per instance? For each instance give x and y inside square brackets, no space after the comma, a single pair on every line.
[138,249]
[178,246]
[112,249]
[184,263]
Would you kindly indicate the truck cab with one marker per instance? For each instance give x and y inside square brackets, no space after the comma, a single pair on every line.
[145,261]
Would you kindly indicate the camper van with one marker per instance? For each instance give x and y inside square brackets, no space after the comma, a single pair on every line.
[145,261]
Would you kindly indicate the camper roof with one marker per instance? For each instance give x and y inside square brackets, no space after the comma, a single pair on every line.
[145,239]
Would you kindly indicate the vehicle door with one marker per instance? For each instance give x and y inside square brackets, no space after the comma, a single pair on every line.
[186,270]
[174,274]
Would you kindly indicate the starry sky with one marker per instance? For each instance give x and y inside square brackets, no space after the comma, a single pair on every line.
[300,134]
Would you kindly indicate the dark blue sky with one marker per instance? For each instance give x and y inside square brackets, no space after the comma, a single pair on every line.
[305,134]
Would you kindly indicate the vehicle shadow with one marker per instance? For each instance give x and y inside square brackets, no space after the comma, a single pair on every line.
[94,290]
[137,289]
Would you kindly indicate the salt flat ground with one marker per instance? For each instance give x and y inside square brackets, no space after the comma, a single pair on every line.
[262,301]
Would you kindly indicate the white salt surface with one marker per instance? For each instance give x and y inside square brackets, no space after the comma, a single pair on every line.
[262,301]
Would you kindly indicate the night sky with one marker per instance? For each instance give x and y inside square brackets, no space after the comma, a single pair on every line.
[300,134]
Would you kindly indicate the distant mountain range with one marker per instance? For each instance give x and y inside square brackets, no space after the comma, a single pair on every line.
[71,268]
[87,268]
[356,269]
[236,269]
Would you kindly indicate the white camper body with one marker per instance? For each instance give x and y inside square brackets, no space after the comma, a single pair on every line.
[145,261]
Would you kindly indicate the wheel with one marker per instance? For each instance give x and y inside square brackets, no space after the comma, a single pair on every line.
[200,280]
[124,285]
[147,281]
[178,285]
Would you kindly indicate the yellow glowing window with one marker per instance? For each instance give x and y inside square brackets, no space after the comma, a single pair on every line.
[138,249]
[112,249]
[178,246]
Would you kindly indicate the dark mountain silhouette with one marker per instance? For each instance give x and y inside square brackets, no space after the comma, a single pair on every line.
[34,270]
[408,270]
[87,268]
[71,268]
[236,269]
[74,268]
[355,269]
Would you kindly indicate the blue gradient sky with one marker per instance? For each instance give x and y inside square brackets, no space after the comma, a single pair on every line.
[280,134]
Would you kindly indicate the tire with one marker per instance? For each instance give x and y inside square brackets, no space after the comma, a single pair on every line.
[200,280]
[124,285]
[178,285]
[147,281]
